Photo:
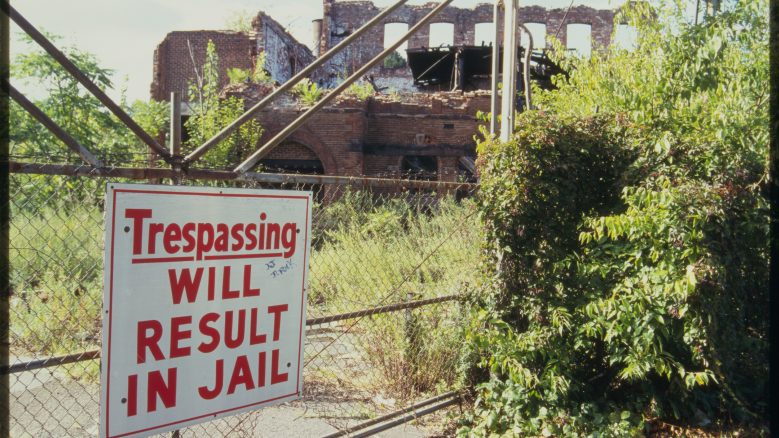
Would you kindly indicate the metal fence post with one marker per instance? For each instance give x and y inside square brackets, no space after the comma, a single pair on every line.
[495,70]
[174,135]
[412,343]
[509,70]
[5,224]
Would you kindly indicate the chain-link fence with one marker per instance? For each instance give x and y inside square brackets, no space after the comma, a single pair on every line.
[391,264]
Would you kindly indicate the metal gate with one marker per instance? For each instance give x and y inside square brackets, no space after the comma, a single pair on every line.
[392,263]
[389,273]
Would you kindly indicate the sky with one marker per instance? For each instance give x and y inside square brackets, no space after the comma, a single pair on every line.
[123,34]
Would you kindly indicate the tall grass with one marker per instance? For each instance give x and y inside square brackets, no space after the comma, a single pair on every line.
[56,265]
[388,252]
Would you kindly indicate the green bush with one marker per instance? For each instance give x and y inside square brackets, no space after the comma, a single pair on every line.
[626,259]
[360,90]
[211,113]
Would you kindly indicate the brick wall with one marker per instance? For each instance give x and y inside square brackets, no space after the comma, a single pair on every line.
[173,66]
[174,69]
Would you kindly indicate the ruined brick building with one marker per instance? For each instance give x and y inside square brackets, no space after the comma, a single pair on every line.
[423,133]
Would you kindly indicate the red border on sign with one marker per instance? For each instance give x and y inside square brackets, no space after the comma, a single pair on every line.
[111,296]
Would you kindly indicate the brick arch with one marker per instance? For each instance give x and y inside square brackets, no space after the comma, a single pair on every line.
[313,144]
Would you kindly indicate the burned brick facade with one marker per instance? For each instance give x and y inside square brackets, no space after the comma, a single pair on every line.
[384,135]
[181,53]
[342,17]
[374,136]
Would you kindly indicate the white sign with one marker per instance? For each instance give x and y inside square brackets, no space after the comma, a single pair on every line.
[204,304]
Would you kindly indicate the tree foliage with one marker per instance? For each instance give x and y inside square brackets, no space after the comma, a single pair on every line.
[626,264]
[67,103]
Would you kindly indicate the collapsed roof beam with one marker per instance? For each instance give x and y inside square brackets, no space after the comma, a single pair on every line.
[286,132]
[249,114]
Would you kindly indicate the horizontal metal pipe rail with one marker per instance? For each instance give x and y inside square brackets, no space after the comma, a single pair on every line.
[449,396]
[51,361]
[409,417]
[84,80]
[145,173]
[52,126]
[310,322]
[295,124]
[245,117]
[382,309]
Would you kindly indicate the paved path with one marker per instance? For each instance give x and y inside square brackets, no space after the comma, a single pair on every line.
[44,404]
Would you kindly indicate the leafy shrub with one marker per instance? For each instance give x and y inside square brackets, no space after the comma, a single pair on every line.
[56,276]
[77,112]
[237,75]
[260,75]
[626,258]
[360,90]
[308,92]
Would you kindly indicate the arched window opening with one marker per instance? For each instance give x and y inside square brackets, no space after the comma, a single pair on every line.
[293,157]
[538,32]
[483,34]
[441,35]
[580,39]
[626,37]
[392,33]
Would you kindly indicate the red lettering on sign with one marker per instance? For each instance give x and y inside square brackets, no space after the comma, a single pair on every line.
[177,334]
[241,375]
[209,331]
[228,294]
[154,229]
[158,388]
[205,239]
[230,341]
[276,311]
[261,370]
[247,278]
[184,283]
[137,215]
[209,394]
[254,337]
[149,341]
[171,238]
[275,376]
[132,395]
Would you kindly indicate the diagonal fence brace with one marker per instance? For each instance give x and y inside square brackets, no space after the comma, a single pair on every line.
[84,80]
[52,126]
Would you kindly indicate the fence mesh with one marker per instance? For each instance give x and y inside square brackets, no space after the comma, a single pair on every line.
[390,266]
